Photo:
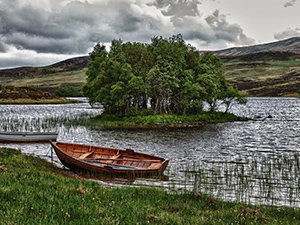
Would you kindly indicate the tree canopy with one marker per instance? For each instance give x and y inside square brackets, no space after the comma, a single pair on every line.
[166,76]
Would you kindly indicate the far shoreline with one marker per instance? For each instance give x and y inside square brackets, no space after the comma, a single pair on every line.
[28,101]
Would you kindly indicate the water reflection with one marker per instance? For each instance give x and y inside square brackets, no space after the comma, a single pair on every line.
[274,133]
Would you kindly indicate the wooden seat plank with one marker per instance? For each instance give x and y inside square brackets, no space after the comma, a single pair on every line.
[85,155]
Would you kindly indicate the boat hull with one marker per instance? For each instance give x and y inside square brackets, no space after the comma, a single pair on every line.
[100,160]
[27,136]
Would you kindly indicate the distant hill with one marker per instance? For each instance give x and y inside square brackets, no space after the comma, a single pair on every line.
[70,72]
[263,56]
[291,45]
[271,69]
[73,64]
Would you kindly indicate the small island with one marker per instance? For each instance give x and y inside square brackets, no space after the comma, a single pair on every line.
[166,83]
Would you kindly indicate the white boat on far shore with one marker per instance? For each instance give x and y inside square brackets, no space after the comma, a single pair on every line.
[27,136]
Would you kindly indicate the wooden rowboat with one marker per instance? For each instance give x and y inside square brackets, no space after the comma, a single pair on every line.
[98,159]
[27,136]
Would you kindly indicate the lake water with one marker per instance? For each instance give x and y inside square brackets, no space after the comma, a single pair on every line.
[262,149]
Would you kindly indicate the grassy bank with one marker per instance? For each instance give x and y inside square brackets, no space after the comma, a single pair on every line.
[105,121]
[32,191]
[24,101]
[29,95]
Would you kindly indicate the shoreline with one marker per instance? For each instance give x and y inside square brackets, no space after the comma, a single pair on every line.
[108,122]
[28,101]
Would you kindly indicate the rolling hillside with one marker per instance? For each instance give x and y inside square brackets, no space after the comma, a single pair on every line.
[271,69]
[291,45]
[272,74]
[70,72]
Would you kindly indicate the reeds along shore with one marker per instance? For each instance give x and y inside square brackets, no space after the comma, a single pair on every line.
[273,180]
[39,120]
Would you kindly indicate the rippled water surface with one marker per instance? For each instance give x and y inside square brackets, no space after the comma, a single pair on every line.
[274,134]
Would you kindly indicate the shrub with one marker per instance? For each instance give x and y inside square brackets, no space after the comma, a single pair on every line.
[69,91]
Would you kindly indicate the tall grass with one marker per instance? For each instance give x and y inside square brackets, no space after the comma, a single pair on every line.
[46,118]
[271,181]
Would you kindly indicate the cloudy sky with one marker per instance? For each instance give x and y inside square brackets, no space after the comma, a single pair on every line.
[41,32]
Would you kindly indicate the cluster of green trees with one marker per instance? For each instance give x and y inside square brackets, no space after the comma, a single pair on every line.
[166,76]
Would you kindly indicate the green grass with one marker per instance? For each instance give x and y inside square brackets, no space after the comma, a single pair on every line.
[105,121]
[287,63]
[33,191]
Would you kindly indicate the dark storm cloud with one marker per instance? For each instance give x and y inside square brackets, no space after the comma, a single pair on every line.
[290,3]
[31,21]
[198,34]
[128,23]
[225,31]
[186,17]
[73,27]
[60,30]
